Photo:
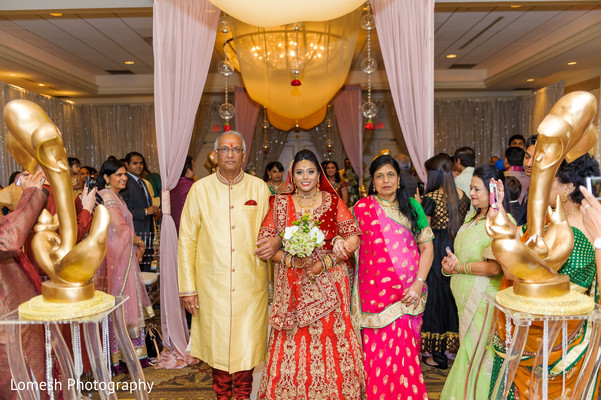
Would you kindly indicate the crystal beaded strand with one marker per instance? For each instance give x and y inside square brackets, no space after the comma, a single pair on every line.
[48,347]
[77,350]
[564,353]
[545,374]
[106,347]
[508,330]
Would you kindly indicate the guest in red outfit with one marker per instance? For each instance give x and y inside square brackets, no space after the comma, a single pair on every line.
[179,193]
[19,281]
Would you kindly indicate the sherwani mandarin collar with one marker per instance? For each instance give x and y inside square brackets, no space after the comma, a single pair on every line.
[224,180]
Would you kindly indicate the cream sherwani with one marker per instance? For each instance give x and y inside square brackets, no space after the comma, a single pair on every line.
[217,239]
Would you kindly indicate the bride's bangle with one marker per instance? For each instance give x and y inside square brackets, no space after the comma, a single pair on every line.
[335,239]
[444,273]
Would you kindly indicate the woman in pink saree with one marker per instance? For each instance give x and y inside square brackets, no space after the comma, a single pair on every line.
[389,294]
[119,274]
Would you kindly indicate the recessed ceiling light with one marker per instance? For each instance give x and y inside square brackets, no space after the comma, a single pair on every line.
[451,55]
[515,6]
[530,80]
[56,14]
[572,63]
[128,62]
[41,84]
[12,74]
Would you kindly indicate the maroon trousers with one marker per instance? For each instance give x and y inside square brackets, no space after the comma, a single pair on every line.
[242,381]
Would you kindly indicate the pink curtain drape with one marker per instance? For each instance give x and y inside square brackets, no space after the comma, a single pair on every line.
[245,117]
[184,34]
[347,106]
[406,33]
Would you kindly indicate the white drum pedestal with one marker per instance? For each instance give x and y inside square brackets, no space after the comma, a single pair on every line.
[12,323]
[521,323]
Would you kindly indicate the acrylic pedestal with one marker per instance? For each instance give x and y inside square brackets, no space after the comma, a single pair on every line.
[12,323]
[515,349]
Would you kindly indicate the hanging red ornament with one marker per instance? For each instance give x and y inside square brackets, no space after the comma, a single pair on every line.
[227,127]
[369,125]
[295,82]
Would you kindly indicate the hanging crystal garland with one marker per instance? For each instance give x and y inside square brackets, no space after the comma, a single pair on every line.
[329,142]
[265,126]
[297,63]
[226,110]
[369,66]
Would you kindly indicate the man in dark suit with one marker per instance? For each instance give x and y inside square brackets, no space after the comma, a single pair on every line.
[139,202]
[137,196]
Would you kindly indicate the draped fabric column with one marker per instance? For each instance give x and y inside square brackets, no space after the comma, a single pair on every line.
[245,117]
[406,34]
[347,106]
[184,34]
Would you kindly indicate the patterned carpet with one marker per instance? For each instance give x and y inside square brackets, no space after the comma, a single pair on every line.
[196,383]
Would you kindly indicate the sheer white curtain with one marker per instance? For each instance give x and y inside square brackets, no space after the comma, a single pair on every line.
[406,34]
[184,34]
[347,107]
[246,113]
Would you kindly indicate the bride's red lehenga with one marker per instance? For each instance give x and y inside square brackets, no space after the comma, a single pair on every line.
[313,350]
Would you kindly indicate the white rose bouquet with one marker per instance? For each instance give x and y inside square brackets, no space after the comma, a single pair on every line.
[303,237]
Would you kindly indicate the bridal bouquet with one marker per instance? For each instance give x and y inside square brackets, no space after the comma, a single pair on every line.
[303,237]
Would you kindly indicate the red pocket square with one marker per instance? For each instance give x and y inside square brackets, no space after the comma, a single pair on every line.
[250,203]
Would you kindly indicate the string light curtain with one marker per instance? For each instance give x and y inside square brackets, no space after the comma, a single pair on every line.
[485,124]
[319,136]
[90,132]
[271,137]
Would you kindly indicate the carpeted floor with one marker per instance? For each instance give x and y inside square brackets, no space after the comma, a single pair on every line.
[196,383]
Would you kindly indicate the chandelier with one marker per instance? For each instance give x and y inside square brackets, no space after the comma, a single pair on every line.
[317,53]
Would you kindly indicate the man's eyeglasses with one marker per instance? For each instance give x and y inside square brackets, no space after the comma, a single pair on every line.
[235,150]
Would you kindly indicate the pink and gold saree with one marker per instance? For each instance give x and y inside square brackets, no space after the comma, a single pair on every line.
[390,330]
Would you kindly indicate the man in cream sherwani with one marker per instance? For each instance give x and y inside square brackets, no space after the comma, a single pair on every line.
[222,277]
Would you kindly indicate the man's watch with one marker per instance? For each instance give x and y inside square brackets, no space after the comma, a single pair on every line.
[597,243]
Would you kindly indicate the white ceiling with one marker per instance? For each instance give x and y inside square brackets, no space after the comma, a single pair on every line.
[498,46]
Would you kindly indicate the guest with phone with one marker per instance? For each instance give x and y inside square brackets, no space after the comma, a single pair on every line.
[474,272]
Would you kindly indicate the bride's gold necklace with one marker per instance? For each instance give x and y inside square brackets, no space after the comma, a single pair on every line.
[307,209]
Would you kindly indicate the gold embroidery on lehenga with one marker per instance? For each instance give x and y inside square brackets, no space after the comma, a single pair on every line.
[272,355]
[285,388]
[331,373]
[317,389]
[302,378]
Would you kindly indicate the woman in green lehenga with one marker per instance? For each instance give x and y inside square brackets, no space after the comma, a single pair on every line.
[474,272]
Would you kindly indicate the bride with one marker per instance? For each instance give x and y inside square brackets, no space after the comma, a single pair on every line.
[313,350]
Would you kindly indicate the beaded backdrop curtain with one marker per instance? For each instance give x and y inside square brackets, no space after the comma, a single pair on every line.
[486,124]
[202,125]
[90,132]
[319,137]
[275,140]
